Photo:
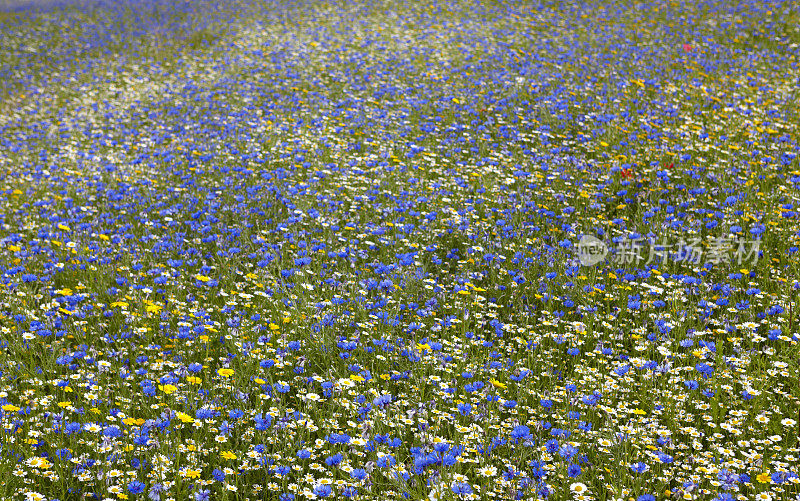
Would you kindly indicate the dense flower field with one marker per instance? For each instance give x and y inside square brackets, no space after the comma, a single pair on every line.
[399,250]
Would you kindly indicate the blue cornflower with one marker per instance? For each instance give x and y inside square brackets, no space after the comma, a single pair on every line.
[543,491]
[778,477]
[155,492]
[382,400]
[334,460]
[567,451]
[322,490]
[521,432]
[727,479]
[136,487]
[461,488]
[112,431]
[441,447]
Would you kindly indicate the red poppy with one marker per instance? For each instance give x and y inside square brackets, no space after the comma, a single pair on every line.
[626,173]
[687,47]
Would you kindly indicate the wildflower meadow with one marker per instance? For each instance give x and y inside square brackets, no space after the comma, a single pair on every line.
[389,249]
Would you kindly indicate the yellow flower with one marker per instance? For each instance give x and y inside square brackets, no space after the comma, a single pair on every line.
[228,455]
[194,379]
[153,308]
[202,278]
[639,412]
[169,389]
[10,408]
[763,478]
[184,417]
[192,474]
[498,384]
[225,372]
